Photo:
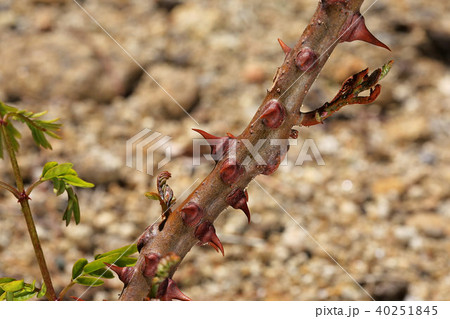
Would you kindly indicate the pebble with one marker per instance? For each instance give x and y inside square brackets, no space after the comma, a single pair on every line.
[181,92]
[407,129]
[387,185]
[254,73]
[405,233]
[432,225]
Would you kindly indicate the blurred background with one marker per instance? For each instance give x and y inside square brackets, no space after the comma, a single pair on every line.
[380,205]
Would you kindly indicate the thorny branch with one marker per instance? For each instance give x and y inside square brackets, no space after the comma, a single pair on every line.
[191,222]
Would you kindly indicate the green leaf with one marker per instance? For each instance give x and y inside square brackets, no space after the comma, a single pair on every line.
[76,181]
[76,210]
[42,292]
[152,196]
[59,186]
[58,170]
[89,281]
[126,262]
[36,115]
[38,128]
[16,289]
[124,251]
[70,192]
[62,176]
[38,136]
[67,216]
[72,172]
[11,131]
[23,295]
[102,273]
[99,263]
[30,287]
[13,286]
[4,108]
[77,268]
[5,280]
[385,69]
[48,166]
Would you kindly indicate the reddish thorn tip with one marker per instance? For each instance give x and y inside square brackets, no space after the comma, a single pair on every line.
[169,290]
[238,200]
[206,233]
[286,49]
[76,298]
[273,114]
[219,145]
[124,273]
[216,244]
[205,135]
[191,214]
[356,29]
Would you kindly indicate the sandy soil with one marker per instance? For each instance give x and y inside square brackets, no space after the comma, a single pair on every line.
[380,206]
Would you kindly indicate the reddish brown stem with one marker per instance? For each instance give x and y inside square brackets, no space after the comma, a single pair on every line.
[278,113]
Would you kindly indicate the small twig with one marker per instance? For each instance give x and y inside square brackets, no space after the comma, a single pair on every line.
[65,290]
[348,94]
[32,186]
[10,188]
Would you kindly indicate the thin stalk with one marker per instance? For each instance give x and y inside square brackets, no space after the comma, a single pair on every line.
[65,290]
[10,188]
[24,203]
[32,186]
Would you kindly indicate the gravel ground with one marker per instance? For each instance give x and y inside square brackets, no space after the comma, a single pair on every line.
[380,206]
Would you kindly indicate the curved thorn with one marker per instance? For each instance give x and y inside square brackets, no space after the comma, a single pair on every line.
[206,135]
[238,200]
[215,242]
[173,292]
[206,234]
[219,145]
[356,29]
[244,207]
[124,273]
